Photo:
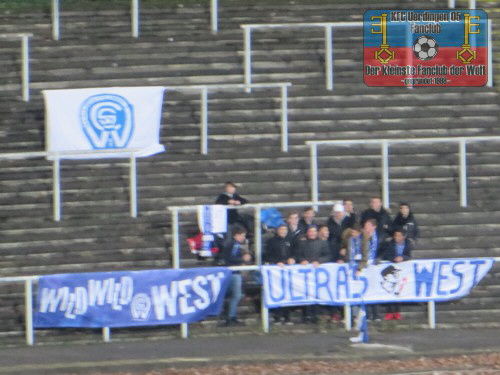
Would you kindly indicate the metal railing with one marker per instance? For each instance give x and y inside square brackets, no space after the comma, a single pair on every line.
[184,328]
[384,145]
[328,27]
[25,62]
[134,18]
[56,19]
[176,247]
[56,171]
[205,89]
[472,4]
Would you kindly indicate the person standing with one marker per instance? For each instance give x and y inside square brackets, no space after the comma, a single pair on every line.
[405,221]
[397,250]
[279,251]
[235,255]
[380,215]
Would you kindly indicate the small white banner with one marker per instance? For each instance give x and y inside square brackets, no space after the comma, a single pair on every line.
[103,119]
[336,284]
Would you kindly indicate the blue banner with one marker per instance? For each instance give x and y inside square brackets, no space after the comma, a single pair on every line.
[123,299]
[338,284]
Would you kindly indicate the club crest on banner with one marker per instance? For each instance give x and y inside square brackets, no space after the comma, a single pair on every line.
[140,307]
[107,121]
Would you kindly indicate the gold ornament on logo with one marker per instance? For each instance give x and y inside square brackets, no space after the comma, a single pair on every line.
[384,54]
[466,55]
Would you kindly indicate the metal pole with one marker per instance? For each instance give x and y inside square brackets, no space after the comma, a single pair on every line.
[284,118]
[133,185]
[135,18]
[56,188]
[55,20]
[264,313]
[385,173]
[248,57]
[214,9]
[347,317]
[175,239]
[451,4]
[176,258]
[463,173]
[472,4]
[204,121]
[258,236]
[106,334]
[314,174]
[28,311]
[25,67]
[184,330]
[490,55]
[329,57]
[431,314]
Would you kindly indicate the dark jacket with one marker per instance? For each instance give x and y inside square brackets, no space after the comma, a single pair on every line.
[278,250]
[313,251]
[294,238]
[233,252]
[384,221]
[389,250]
[303,225]
[336,229]
[232,213]
[408,224]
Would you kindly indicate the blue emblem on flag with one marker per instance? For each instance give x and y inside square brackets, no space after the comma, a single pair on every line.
[107,121]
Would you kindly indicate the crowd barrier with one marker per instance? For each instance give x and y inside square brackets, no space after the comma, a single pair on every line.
[65,300]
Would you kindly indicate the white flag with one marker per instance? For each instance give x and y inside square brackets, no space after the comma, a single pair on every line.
[104,119]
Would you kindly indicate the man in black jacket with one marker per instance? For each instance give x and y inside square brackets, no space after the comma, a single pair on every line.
[279,251]
[382,217]
[314,251]
[230,198]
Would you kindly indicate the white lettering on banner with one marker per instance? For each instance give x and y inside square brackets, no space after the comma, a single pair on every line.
[177,300]
[419,280]
[97,293]
[182,297]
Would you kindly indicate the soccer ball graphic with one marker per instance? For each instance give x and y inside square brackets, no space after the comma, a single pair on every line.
[425,47]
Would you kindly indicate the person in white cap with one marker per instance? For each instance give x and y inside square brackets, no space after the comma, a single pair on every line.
[336,224]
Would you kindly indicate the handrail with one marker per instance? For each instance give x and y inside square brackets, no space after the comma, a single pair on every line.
[25,61]
[205,89]
[106,331]
[56,171]
[328,26]
[384,143]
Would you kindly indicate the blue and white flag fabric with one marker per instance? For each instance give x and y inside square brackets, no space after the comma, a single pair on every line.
[109,118]
[123,299]
[337,284]
[212,218]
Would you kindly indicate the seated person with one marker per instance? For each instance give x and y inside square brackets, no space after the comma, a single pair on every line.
[406,221]
[229,197]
